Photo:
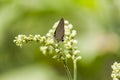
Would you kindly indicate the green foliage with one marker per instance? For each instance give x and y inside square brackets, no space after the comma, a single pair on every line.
[98,34]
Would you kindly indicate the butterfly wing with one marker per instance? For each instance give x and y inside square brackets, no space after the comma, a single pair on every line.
[59,32]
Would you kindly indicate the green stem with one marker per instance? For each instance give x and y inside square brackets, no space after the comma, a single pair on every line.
[67,70]
[75,69]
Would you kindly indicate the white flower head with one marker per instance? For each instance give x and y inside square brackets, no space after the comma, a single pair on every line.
[37,38]
[49,41]
[66,22]
[57,50]
[74,41]
[73,33]
[48,44]
[43,49]
[70,26]
[51,49]
[68,55]
[67,32]
[51,31]
[76,52]
[55,25]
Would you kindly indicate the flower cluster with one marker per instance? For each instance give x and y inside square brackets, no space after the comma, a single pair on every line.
[116,71]
[59,50]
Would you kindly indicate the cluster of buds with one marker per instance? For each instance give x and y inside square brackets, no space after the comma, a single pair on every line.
[116,71]
[48,45]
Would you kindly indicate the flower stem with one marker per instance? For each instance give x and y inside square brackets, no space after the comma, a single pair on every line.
[67,70]
[75,69]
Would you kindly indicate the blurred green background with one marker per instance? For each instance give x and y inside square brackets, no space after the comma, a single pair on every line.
[98,26]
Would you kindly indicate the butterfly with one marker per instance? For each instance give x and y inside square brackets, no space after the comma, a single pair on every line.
[59,32]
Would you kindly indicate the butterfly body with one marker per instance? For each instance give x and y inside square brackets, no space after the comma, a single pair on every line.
[59,32]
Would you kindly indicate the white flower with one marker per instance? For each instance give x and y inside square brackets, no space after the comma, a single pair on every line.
[51,31]
[43,38]
[48,34]
[56,45]
[36,37]
[68,45]
[67,30]
[76,52]
[79,58]
[61,49]
[74,41]
[55,25]
[49,41]
[50,49]
[19,37]
[57,50]
[43,49]
[70,26]
[73,33]
[66,22]
[68,55]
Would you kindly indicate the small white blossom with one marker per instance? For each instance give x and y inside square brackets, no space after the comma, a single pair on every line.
[49,41]
[20,40]
[67,30]
[68,55]
[66,22]
[48,34]
[68,45]
[43,49]
[43,38]
[70,26]
[73,33]
[79,58]
[36,37]
[74,41]
[76,52]
[51,32]
[55,25]
[56,45]
[57,50]
[50,49]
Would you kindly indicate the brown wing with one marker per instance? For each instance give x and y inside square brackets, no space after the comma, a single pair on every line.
[59,32]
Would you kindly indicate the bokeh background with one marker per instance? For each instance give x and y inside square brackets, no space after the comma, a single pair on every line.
[98,33]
